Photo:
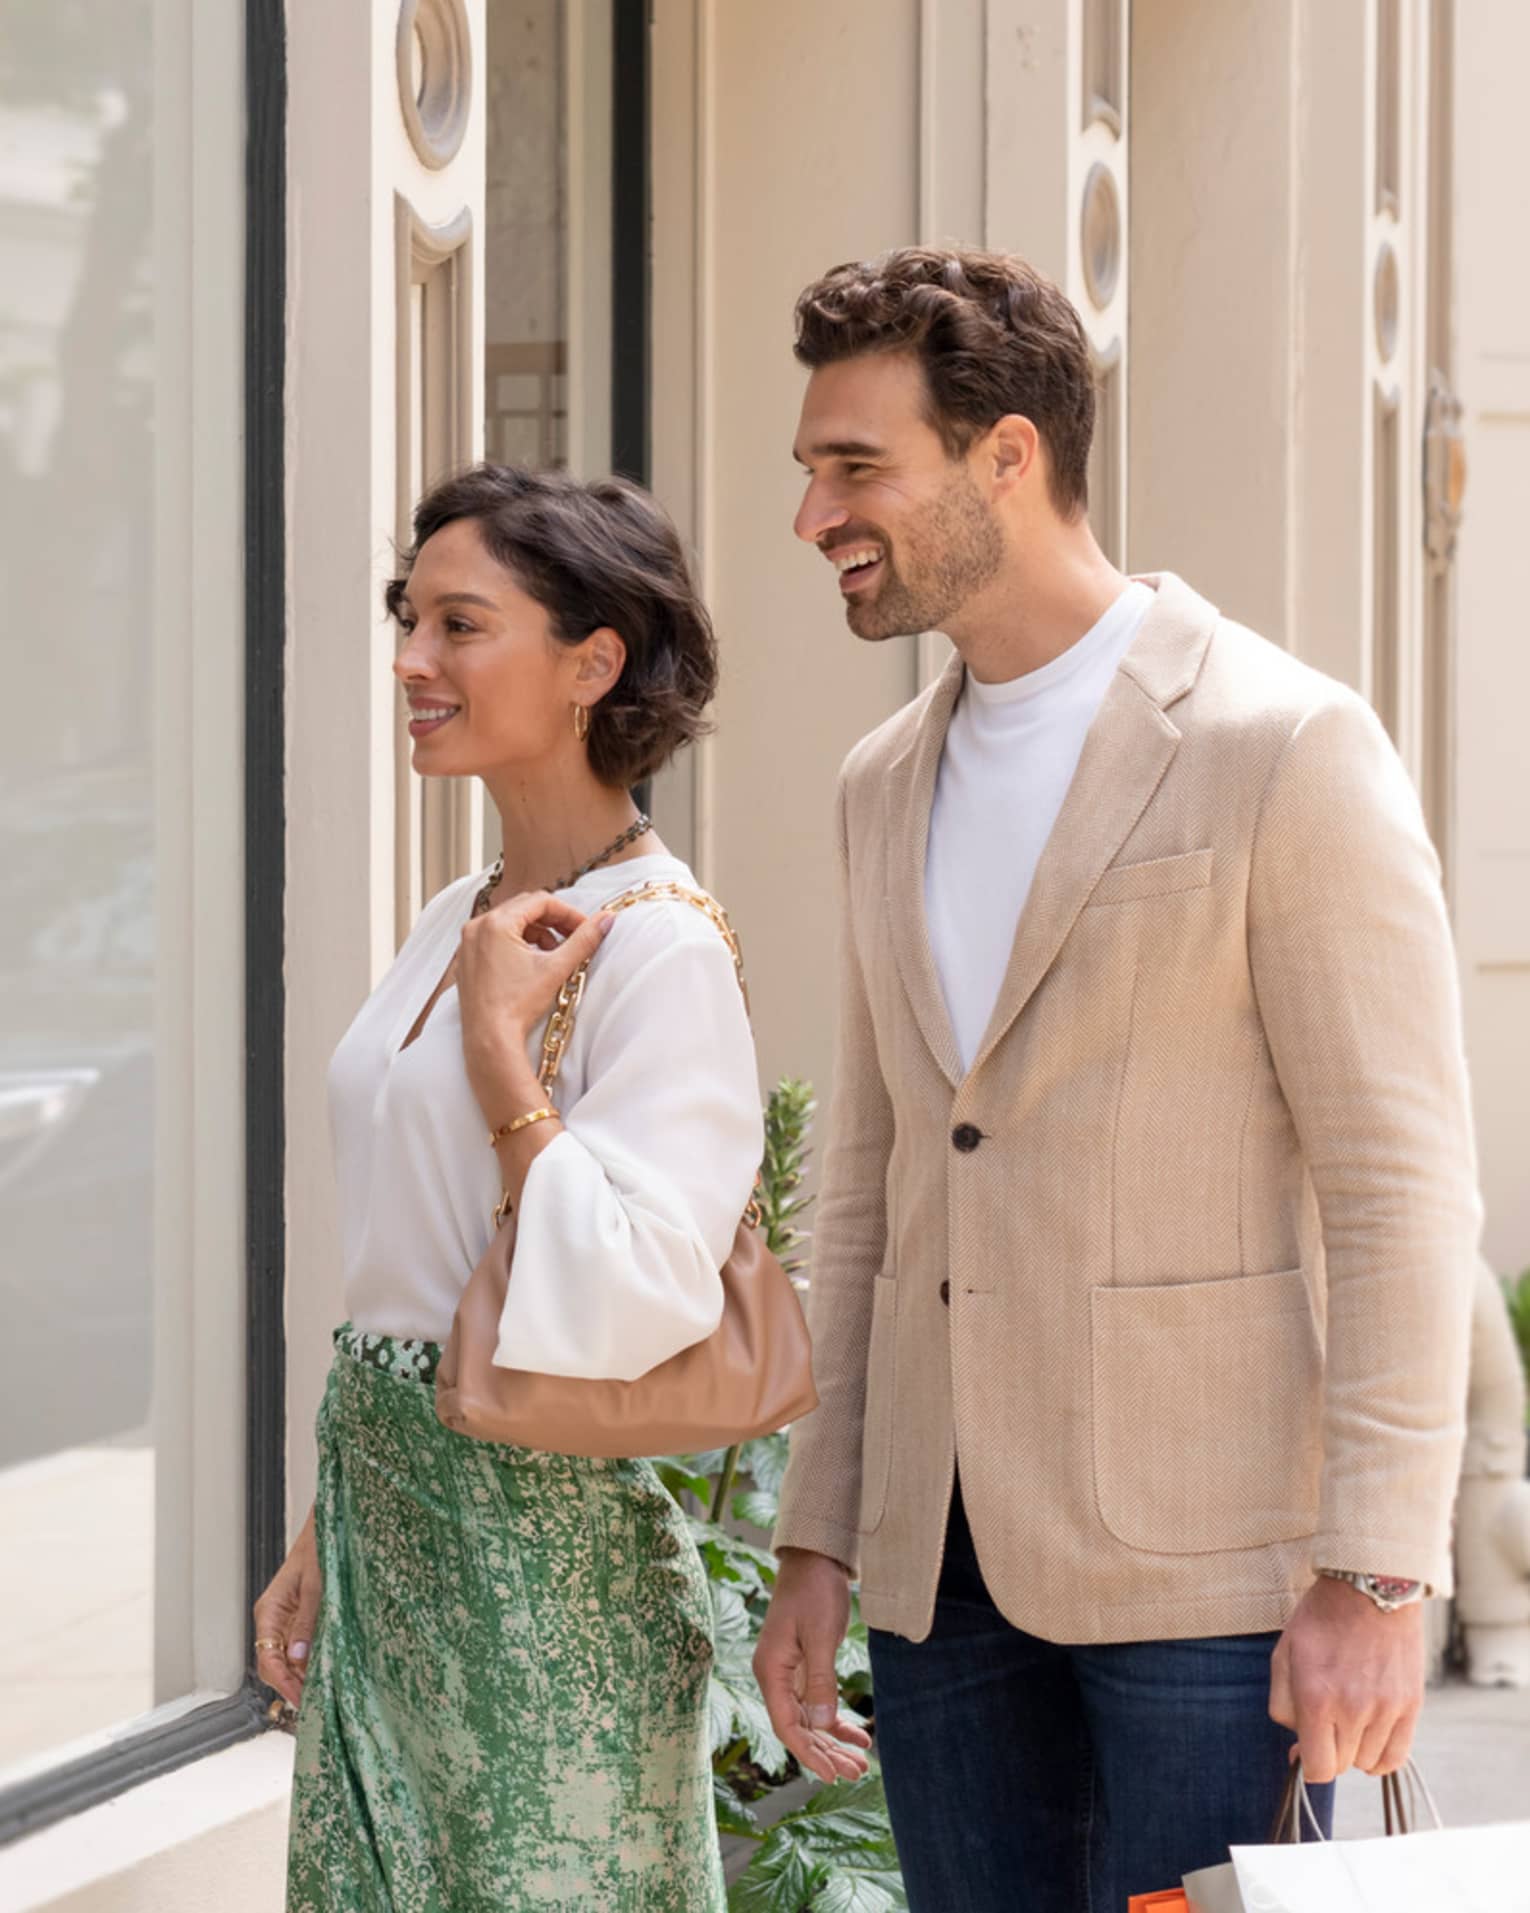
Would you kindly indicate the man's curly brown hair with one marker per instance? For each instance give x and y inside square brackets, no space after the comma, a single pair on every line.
[993,335]
[595,554]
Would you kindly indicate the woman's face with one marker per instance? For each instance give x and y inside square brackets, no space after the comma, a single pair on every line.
[488,685]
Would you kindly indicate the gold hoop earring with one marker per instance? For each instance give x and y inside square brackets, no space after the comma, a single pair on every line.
[581,721]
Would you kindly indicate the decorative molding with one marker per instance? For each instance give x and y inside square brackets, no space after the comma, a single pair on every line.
[1386,586]
[434,54]
[434,830]
[953,134]
[1107,453]
[1386,300]
[1103,65]
[678,329]
[1444,451]
[434,347]
[1389,100]
[1101,234]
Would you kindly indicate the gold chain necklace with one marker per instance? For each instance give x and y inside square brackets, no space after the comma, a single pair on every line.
[630,835]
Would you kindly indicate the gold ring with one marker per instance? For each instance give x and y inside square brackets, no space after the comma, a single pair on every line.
[277,1646]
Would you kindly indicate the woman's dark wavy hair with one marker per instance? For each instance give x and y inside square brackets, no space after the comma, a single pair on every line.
[993,335]
[594,553]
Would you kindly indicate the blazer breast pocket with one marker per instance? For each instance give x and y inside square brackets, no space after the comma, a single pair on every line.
[1159,877]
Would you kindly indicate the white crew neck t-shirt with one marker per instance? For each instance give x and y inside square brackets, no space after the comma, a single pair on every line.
[1009,757]
[626,1218]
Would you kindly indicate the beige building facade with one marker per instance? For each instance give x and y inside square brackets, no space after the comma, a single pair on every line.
[571,231]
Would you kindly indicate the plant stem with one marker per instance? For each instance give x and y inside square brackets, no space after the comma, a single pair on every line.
[725,1483]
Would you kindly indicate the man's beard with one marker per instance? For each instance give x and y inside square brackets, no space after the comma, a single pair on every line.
[957,549]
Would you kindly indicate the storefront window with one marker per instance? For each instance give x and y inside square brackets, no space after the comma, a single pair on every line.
[548,260]
[110,515]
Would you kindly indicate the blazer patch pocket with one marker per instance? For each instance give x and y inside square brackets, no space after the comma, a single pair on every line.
[1159,877]
[1207,1400]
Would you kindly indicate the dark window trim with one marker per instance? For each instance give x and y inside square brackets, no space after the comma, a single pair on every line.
[265,816]
[72,1787]
[631,245]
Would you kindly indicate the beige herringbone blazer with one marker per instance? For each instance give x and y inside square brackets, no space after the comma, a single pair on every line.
[1180,1270]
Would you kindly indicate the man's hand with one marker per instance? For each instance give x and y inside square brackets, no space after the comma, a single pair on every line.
[794,1664]
[1349,1680]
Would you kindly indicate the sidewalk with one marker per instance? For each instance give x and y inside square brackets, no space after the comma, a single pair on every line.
[1473,1748]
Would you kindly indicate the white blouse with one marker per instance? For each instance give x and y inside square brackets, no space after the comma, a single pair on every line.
[626,1218]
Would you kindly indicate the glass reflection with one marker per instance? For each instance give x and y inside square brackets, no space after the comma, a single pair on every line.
[77,926]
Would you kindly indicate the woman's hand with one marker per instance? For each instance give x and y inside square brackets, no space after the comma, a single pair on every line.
[511,964]
[285,1615]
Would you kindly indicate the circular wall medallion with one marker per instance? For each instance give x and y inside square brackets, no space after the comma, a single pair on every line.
[1386,298]
[1100,230]
[435,76]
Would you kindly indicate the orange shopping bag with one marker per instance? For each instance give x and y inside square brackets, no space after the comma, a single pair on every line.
[1173,1901]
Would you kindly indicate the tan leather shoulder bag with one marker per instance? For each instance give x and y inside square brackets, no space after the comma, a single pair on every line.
[751,1376]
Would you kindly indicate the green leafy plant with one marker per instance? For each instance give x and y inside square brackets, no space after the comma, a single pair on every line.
[835,1855]
[1517,1295]
[834,1852]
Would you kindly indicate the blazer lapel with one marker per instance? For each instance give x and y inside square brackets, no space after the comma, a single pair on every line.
[1129,747]
[908,794]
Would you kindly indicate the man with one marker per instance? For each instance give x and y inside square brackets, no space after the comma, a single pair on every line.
[1144,1253]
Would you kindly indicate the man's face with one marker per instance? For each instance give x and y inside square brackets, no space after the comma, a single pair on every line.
[903,523]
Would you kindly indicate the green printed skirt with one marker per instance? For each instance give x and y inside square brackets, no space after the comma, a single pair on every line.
[506,1705]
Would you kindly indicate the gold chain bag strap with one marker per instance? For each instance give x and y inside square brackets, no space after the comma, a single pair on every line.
[750,1376]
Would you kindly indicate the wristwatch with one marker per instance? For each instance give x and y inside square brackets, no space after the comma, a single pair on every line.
[1386,1590]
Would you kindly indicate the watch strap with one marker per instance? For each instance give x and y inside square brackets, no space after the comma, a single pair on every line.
[1389,1592]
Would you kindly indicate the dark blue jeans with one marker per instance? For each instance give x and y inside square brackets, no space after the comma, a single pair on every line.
[1034,1778]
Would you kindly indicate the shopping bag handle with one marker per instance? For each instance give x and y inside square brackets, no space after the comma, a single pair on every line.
[1405,1797]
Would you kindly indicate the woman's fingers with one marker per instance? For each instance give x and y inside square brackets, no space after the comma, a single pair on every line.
[540,908]
[271,1665]
[578,948]
[273,1624]
[285,1615]
[300,1640]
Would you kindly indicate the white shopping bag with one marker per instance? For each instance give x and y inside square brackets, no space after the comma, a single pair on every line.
[1463,1870]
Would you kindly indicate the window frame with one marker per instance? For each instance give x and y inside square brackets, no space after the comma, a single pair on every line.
[75,1785]
[631,240]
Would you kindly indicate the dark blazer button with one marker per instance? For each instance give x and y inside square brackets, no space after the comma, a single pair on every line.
[945,1293]
[966,1137]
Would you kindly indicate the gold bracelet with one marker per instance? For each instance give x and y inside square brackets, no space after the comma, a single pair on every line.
[544,1115]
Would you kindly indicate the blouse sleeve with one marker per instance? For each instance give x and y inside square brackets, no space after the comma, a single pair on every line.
[626,1219]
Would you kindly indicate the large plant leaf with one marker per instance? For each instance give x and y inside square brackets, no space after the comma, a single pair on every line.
[733,1815]
[841,1843]
[1517,1295]
[854,1657]
[753,1718]
[732,1676]
[757,1506]
[732,1561]
[722,1717]
[676,1474]
[779,1879]
[858,1892]
[764,1461]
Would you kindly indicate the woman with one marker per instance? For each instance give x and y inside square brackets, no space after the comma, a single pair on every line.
[503,1704]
